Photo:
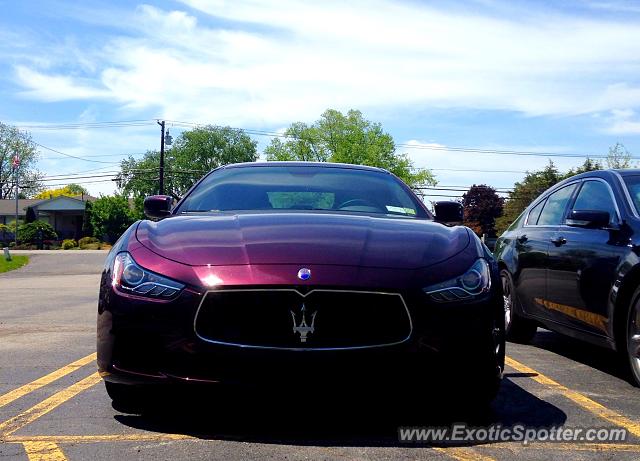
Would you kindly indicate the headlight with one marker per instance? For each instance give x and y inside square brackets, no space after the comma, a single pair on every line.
[131,278]
[473,283]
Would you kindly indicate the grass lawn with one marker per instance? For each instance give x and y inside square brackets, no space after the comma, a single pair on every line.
[16,262]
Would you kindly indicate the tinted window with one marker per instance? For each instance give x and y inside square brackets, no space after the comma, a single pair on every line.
[515,224]
[555,207]
[595,195]
[302,188]
[633,185]
[534,214]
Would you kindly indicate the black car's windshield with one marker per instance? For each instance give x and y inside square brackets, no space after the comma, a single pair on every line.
[302,188]
[633,185]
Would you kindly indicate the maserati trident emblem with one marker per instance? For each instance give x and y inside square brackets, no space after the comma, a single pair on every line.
[303,328]
[304,274]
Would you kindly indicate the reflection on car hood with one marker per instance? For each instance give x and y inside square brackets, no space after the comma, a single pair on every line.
[302,238]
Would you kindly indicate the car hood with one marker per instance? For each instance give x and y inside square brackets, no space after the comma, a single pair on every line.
[302,238]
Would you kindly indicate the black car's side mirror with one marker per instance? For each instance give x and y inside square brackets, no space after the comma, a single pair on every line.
[158,206]
[593,219]
[448,212]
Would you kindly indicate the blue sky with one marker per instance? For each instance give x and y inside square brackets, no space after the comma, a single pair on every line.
[560,77]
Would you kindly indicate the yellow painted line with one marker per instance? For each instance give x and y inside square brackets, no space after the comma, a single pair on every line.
[43,451]
[61,439]
[43,381]
[578,446]
[17,422]
[582,400]
[463,454]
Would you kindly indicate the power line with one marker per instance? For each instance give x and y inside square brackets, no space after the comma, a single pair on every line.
[72,156]
[86,125]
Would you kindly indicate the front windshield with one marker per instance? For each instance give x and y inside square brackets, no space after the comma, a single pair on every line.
[633,185]
[302,188]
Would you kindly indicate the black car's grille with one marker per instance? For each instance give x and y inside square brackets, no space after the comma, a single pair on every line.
[287,319]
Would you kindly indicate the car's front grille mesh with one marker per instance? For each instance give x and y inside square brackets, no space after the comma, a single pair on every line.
[287,319]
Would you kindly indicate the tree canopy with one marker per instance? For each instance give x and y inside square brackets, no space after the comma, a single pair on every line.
[110,216]
[346,138]
[15,142]
[482,205]
[70,190]
[194,153]
[618,157]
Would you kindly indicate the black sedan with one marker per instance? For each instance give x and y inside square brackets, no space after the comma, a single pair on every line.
[298,274]
[570,263]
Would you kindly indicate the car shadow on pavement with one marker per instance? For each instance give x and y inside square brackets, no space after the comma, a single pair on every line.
[299,417]
[605,360]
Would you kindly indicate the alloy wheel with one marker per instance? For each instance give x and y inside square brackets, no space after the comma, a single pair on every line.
[508,300]
[633,340]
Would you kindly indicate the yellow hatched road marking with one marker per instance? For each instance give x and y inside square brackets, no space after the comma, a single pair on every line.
[43,451]
[61,439]
[17,422]
[564,446]
[582,400]
[463,454]
[43,381]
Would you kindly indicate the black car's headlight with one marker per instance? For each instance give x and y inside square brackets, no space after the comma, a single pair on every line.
[129,277]
[475,282]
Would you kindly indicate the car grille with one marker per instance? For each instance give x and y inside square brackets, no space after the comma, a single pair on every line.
[288,319]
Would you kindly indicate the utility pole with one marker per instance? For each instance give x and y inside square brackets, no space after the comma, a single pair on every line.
[16,165]
[161,123]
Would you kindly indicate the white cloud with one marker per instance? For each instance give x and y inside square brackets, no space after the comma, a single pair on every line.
[289,60]
[624,122]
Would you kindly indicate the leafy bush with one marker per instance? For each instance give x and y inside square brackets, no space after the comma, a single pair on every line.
[111,216]
[29,232]
[92,246]
[86,240]
[68,244]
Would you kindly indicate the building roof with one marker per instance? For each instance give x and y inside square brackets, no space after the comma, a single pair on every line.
[8,207]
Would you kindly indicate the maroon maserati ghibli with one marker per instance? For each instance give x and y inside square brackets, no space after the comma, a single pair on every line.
[297,274]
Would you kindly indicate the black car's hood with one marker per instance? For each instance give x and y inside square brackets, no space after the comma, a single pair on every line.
[302,238]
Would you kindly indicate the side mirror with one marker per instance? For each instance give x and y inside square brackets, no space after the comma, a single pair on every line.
[448,212]
[593,219]
[158,206]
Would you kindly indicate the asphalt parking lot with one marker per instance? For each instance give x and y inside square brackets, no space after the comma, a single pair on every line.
[53,405]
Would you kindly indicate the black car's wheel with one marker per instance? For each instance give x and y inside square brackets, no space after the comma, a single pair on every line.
[518,329]
[127,398]
[474,369]
[632,348]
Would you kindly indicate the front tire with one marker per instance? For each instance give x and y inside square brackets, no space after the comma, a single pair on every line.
[632,338]
[127,398]
[517,328]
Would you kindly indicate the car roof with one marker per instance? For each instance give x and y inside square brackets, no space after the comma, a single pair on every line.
[604,174]
[305,164]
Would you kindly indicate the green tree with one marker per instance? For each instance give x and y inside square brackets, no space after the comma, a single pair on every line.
[618,157]
[87,228]
[15,142]
[194,153]
[482,205]
[30,215]
[346,138]
[588,165]
[110,216]
[70,190]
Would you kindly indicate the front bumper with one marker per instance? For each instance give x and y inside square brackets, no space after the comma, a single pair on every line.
[142,341]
